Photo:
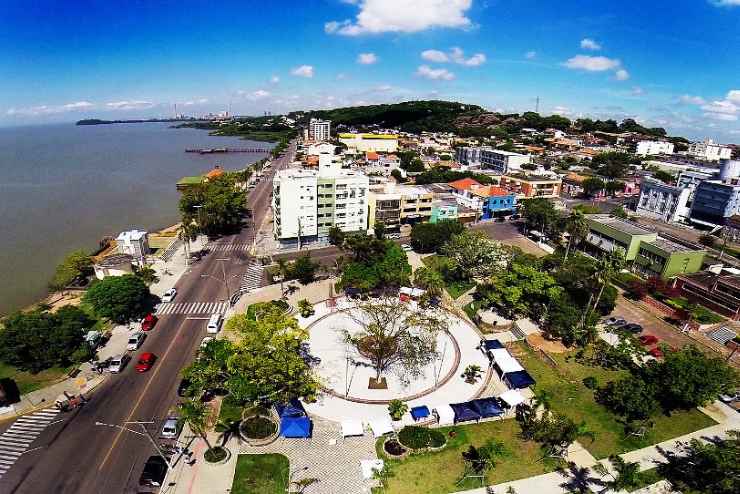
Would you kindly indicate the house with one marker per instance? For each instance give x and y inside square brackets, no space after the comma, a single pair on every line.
[719,292]
[498,202]
[526,186]
[213,174]
[134,243]
[462,189]
[664,202]
[114,265]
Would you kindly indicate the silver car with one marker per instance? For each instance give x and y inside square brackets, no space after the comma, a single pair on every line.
[118,363]
[135,341]
[170,428]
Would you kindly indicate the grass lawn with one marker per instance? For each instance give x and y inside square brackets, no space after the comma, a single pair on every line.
[260,474]
[573,399]
[438,472]
[699,312]
[454,288]
[28,382]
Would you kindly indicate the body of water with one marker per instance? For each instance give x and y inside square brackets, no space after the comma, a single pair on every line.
[64,187]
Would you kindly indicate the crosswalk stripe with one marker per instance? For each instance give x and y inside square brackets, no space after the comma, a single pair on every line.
[7,462]
[45,414]
[14,440]
[12,447]
[10,453]
[34,421]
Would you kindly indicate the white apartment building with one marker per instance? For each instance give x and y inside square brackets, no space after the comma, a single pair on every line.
[664,202]
[502,161]
[319,130]
[647,148]
[361,143]
[468,156]
[710,151]
[294,203]
[134,243]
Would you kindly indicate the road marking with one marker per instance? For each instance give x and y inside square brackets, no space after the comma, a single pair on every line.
[141,397]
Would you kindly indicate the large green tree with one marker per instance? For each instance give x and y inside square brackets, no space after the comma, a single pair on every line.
[75,265]
[540,214]
[430,237]
[630,397]
[523,289]
[119,298]
[389,268]
[577,228]
[474,255]
[37,340]
[216,206]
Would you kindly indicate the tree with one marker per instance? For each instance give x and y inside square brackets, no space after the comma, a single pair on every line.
[630,398]
[430,280]
[592,186]
[625,474]
[381,264]
[119,298]
[704,468]
[474,255]
[336,236]
[619,212]
[663,176]
[553,430]
[37,340]
[393,335]
[398,176]
[216,206]
[565,320]
[187,233]
[579,479]
[379,230]
[267,362]
[77,264]
[397,408]
[521,290]
[577,227]
[210,370]
[304,269]
[196,413]
[430,237]
[147,274]
[608,266]
[613,164]
[540,214]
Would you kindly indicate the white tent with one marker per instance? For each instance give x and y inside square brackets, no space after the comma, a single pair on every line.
[370,466]
[412,292]
[505,361]
[445,414]
[380,426]
[512,397]
[352,428]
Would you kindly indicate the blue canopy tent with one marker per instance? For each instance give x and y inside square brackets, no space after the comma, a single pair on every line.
[486,407]
[294,423]
[519,379]
[491,344]
[464,412]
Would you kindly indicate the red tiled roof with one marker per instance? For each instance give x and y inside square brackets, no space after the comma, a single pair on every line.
[464,184]
[371,156]
[216,172]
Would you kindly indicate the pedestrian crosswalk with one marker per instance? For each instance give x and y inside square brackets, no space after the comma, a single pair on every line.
[192,308]
[21,435]
[252,278]
[229,247]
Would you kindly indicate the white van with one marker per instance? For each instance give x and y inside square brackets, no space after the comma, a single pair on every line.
[214,324]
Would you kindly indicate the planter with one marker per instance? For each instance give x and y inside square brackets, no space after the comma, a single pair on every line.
[217,455]
[259,428]
[394,449]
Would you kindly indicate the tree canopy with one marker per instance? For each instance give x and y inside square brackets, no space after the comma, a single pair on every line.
[119,298]
[216,206]
[75,265]
[473,255]
[430,237]
[375,264]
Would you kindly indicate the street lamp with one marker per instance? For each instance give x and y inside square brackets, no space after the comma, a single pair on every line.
[225,279]
[145,433]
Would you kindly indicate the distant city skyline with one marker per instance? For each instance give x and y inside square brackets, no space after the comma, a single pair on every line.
[668,64]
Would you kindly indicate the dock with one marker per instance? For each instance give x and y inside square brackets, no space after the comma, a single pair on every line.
[227,150]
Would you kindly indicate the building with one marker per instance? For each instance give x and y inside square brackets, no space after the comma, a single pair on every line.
[710,151]
[468,156]
[294,204]
[528,186]
[732,229]
[384,207]
[646,253]
[690,179]
[498,202]
[502,161]
[115,265]
[443,209]
[361,143]
[134,243]
[662,201]
[463,192]
[647,148]
[414,203]
[719,292]
[715,201]
[319,130]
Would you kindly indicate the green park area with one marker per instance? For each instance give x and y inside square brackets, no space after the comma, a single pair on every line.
[261,474]
[455,288]
[564,385]
[28,381]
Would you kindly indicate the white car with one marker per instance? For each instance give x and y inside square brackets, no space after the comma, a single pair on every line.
[169,429]
[406,247]
[135,341]
[118,363]
[169,295]
[206,341]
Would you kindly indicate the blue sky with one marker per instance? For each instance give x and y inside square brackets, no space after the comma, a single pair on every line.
[667,63]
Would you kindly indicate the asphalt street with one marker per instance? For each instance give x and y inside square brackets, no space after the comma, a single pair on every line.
[77,456]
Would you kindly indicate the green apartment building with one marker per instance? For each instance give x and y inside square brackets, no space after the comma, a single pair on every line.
[646,253]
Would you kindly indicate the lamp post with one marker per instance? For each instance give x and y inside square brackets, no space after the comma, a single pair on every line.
[144,433]
[224,280]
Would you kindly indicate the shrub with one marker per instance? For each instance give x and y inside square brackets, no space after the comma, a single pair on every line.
[590,382]
[414,437]
[396,408]
[305,308]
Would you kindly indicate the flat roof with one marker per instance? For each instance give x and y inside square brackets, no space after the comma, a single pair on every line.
[619,224]
[670,246]
[368,136]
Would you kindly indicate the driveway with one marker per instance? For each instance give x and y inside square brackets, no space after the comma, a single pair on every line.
[508,233]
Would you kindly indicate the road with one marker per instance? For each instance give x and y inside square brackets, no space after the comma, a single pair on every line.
[75,455]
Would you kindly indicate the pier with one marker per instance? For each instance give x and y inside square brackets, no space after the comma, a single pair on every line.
[227,150]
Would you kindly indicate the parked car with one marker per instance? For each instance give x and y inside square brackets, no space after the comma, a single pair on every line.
[406,247]
[183,387]
[206,341]
[730,397]
[135,341]
[169,295]
[614,321]
[155,470]
[656,352]
[632,328]
[147,324]
[648,339]
[170,428]
[118,363]
[146,360]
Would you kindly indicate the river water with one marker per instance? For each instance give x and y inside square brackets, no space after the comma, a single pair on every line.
[64,187]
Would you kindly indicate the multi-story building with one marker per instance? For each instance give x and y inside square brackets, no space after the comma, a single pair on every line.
[715,201]
[294,204]
[647,148]
[468,156]
[319,130]
[361,143]
[719,292]
[710,150]
[395,204]
[384,206]
[498,202]
[463,192]
[134,243]
[443,209]
[530,185]
[662,201]
[502,161]
[646,253]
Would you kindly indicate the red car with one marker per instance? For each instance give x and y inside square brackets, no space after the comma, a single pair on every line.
[648,339]
[148,322]
[656,352]
[146,360]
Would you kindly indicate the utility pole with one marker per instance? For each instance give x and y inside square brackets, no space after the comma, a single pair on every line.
[537,105]
[145,433]
[226,280]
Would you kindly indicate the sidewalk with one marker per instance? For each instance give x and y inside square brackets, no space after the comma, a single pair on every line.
[168,273]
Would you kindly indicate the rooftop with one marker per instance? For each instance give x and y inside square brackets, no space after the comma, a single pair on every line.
[669,246]
[368,136]
[619,224]
[131,235]
[464,184]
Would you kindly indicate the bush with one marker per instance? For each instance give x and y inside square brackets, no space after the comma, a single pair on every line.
[258,427]
[305,308]
[216,454]
[396,409]
[414,437]
[590,382]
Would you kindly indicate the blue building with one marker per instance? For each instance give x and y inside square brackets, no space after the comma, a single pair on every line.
[715,201]
[497,202]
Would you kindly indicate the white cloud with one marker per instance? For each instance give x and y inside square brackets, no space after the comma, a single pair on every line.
[200,101]
[725,3]
[637,91]
[592,64]
[721,116]
[434,74]
[561,110]
[383,88]
[303,71]
[723,106]
[734,95]
[622,75]
[589,44]
[403,16]
[692,100]
[341,76]
[129,105]
[367,58]
[78,105]
[435,56]
[257,95]
[50,109]
[274,79]
[530,55]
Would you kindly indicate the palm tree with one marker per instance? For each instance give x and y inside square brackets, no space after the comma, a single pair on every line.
[195,414]
[606,268]
[188,232]
[625,474]
[577,226]
[579,479]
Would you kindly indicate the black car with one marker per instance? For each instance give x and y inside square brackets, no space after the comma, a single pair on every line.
[154,472]
[632,328]
[182,389]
